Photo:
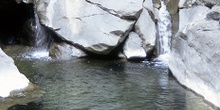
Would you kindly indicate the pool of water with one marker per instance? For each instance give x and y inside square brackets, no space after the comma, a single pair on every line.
[90,84]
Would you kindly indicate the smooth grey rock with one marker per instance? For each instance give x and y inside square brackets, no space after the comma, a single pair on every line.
[148,4]
[85,24]
[146,29]
[128,9]
[195,53]
[153,11]
[191,15]
[65,51]
[133,47]
[182,3]
[10,78]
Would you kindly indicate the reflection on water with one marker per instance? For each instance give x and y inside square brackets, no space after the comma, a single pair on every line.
[88,84]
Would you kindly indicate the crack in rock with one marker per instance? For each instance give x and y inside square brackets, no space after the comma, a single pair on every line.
[111,11]
[92,15]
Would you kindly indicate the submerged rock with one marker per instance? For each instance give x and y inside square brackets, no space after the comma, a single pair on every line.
[196,53]
[10,78]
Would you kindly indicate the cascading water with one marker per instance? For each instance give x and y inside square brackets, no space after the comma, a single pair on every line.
[164,33]
[42,41]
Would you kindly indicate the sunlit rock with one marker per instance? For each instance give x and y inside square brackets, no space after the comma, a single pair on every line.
[146,29]
[196,53]
[191,15]
[149,6]
[133,47]
[89,24]
[10,78]
[128,9]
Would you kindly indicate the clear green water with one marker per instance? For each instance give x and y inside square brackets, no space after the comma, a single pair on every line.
[89,84]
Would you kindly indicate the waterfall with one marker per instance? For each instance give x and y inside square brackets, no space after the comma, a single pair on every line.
[42,41]
[164,33]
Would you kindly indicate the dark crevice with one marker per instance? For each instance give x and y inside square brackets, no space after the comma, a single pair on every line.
[13,19]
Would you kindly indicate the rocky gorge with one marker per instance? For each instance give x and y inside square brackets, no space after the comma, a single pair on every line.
[128,29]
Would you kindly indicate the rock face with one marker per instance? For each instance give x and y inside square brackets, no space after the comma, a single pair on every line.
[10,78]
[146,29]
[196,52]
[96,25]
[133,47]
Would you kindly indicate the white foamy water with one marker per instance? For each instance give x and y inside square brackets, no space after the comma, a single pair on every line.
[41,43]
[165,33]
[41,54]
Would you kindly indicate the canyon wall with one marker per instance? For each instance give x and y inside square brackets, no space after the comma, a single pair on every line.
[195,55]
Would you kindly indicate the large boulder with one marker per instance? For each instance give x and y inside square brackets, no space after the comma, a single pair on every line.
[146,29]
[128,9]
[95,25]
[133,48]
[10,78]
[195,53]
